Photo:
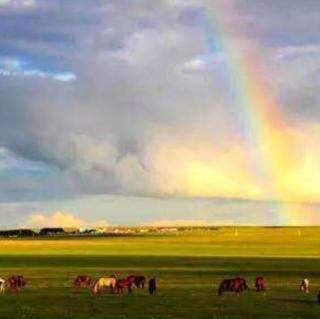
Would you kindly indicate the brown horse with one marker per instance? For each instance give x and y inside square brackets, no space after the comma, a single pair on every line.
[236,285]
[259,284]
[139,281]
[239,285]
[121,284]
[82,280]
[16,283]
[225,285]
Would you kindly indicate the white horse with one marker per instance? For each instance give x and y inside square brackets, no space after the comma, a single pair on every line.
[2,286]
[305,285]
[104,282]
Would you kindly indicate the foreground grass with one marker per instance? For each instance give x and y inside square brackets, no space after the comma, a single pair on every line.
[187,288]
[189,268]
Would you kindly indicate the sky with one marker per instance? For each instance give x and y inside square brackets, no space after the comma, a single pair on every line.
[159,112]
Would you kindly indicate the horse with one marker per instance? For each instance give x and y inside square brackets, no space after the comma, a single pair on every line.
[104,282]
[2,285]
[125,283]
[139,281]
[225,285]
[239,285]
[236,285]
[152,286]
[16,283]
[305,285]
[82,280]
[259,284]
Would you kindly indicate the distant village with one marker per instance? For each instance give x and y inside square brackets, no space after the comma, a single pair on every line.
[100,231]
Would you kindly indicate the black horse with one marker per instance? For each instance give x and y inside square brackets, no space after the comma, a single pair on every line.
[152,286]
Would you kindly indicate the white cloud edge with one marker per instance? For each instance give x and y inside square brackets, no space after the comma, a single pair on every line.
[59,219]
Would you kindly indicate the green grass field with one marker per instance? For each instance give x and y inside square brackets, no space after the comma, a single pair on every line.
[189,267]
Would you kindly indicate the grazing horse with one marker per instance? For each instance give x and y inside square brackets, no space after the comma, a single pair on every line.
[2,285]
[82,280]
[152,286]
[225,285]
[305,285]
[139,281]
[259,284]
[16,282]
[121,284]
[239,285]
[236,285]
[104,282]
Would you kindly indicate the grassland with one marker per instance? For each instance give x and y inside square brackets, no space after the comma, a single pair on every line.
[189,267]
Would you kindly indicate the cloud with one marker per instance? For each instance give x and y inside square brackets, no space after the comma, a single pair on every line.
[297,51]
[203,63]
[7,161]
[100,98]
[18,3]
[59,219]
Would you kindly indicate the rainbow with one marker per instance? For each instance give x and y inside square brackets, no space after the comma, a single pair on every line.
[264,129]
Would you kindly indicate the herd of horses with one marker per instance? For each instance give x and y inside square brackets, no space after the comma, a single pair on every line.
[119,285]
[15,283]
[116,284]
[239,285]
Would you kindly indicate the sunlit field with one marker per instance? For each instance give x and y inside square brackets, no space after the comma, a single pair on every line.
[188,266]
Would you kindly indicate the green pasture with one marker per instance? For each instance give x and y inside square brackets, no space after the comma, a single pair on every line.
[188,266]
